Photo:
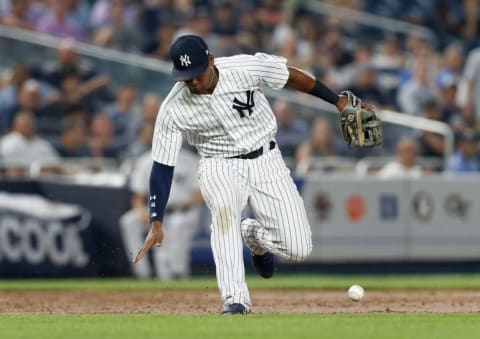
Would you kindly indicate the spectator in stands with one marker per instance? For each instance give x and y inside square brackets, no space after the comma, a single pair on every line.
[405,163]
[248,39]
[366,87]
[270,13]
[150,106]
[155,13]
[68,62]
[18,15]
[27,99]
[77,93]
[334,43]
[225,27]
[101,137]
[451,112]
[159,46]
[298,52]
[125,118]
[22,146]
[416,91]
[10,94]
[421,53]
[322,143]
[469,29]
[465,159]
[471,76]
[388,62]
[116,32]
[198,22]
[347,75]
[100,14]
[291,131]
[451,19]
[431,144]
[73,140]
[79,11]
[225,21]
[18,74]
[451,64]
[59,23]
[141,144]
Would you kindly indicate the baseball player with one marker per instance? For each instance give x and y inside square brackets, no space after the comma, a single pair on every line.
[171,261]
[218,106]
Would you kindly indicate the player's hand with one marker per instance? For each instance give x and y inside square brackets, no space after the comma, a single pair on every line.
[154,237]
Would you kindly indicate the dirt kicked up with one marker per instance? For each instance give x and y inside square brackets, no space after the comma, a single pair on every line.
[265,301]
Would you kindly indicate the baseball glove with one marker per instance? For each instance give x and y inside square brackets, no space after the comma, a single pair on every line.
[360,126]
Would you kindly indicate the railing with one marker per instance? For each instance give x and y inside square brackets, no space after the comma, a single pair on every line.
[388,116]
[365,166]
[152,74]
[423,124]
[372,20]
[74,170]
[87,49]
[32,48]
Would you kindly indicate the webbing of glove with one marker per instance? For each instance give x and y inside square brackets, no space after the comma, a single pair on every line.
[369,129]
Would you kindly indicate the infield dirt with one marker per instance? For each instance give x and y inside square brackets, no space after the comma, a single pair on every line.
[265,301]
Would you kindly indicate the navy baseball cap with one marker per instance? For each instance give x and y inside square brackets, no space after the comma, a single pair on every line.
[189,54]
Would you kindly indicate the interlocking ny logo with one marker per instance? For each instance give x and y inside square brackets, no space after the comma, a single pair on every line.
[185,60]
[242,106]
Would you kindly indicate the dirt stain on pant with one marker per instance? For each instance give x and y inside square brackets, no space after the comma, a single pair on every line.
[224,219]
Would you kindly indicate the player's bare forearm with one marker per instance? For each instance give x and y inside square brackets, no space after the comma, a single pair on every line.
[306,83]
[300,80]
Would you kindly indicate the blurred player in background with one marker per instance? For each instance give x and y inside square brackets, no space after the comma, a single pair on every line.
[172,260]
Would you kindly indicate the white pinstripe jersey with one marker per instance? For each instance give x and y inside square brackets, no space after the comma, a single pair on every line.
[235,119]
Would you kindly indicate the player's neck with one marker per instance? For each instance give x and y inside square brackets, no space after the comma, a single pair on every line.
[215,77]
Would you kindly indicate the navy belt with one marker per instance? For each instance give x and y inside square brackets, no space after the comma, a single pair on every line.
[255,154]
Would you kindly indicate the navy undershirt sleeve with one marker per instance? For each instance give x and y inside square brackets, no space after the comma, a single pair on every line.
[325,93]
[160,184]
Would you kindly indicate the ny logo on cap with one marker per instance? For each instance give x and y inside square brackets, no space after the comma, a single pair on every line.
[185,60]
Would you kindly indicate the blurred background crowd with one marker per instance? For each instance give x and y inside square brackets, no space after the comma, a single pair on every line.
[68,107]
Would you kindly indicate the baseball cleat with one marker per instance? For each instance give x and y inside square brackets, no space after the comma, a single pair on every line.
[232,309]
[264,264]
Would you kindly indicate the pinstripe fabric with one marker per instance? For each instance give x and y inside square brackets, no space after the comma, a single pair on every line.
[281,226]
[225,191]
[237,119]
[167,138]
[209,122]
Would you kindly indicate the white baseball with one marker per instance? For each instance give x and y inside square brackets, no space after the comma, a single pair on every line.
[356,292]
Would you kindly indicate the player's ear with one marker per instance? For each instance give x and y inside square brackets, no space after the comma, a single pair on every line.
[211,59]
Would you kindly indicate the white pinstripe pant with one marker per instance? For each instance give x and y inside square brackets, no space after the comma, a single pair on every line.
[281,226]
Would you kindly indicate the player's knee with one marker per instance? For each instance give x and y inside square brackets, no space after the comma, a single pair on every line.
[299,254]
[299,251]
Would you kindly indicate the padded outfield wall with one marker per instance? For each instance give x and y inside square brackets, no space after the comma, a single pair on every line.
[55,229]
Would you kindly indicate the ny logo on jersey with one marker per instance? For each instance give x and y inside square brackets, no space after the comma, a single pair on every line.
[185,60]
[242,106]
